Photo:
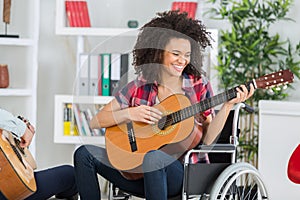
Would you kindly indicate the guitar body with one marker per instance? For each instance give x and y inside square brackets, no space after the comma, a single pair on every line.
[16,172]
[147,137]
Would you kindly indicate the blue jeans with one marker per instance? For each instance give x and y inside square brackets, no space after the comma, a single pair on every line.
[53,181]
[163,175]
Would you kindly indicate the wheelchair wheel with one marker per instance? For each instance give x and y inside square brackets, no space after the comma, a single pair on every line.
[239,181]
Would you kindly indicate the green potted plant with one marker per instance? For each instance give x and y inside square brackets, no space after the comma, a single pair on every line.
[247,50]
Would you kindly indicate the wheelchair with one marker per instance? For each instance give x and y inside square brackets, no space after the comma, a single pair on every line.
[221,179]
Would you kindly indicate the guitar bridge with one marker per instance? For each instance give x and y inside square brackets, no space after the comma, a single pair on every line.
[131,137]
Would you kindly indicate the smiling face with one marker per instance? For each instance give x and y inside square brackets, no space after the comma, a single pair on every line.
[176,57]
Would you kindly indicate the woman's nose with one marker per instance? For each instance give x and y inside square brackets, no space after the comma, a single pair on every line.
[181,59]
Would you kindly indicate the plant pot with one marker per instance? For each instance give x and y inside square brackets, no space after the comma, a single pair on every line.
[4,76]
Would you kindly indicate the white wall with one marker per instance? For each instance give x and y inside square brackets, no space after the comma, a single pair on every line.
[57,72]
[279,136]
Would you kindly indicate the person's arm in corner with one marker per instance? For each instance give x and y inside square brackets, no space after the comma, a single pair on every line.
[13,124]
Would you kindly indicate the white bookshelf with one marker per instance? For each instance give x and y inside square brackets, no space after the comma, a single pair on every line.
[60,101]
[21,56]
[108,21]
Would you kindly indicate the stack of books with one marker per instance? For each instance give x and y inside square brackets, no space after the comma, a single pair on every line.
[77,13]
[77,119]
[186,6]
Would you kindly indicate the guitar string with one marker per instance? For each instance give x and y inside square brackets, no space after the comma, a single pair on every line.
[195,108]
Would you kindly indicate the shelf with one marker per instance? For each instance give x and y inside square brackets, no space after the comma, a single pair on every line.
[96,31]
[15,92]
[79,140]
[16,42]
[21,56]
[60,101]
[104,20]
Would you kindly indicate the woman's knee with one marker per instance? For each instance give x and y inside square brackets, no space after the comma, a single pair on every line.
[156,160]
[80,154]
[68,170]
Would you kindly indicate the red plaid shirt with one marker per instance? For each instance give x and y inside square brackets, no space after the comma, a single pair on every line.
[139,92]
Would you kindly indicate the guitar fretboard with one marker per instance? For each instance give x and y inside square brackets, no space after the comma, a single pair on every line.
[202,106]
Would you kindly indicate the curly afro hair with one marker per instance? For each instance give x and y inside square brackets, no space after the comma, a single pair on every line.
[155,35]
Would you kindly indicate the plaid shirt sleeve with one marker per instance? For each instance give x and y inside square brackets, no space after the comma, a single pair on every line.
[206,93]
[199,90]
[137,93]
[125,95]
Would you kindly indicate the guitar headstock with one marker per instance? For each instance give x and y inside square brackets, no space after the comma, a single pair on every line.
[275,79]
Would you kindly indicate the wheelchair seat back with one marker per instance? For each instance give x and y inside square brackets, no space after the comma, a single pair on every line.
[200,177]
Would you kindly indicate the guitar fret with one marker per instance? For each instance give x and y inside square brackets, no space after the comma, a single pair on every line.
[177,116]
[185,114]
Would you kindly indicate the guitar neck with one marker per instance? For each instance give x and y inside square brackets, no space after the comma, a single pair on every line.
[217,100]
[202,106]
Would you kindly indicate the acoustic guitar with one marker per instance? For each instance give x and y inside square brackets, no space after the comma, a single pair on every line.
[16,168]
[127,143]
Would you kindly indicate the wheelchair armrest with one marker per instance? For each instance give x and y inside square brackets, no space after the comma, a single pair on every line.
[217,147]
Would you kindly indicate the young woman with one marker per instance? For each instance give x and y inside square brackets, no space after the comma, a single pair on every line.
[57,181]
[168,60]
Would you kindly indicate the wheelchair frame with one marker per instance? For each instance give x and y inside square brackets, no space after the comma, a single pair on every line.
[221,179]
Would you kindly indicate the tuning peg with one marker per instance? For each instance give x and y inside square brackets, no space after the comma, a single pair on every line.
[270,91]
[278,88]
[284,86]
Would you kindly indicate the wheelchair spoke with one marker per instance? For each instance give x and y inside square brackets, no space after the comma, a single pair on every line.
[239,183]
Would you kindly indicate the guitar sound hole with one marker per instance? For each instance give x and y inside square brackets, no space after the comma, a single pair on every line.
[164,122]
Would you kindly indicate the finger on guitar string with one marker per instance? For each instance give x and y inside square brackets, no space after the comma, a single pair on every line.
[242,93]
[26,121]
[31,128]
[150,115]
[154,114]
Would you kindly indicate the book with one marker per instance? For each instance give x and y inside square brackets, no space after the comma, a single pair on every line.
[77,13]
[186,6]
[71,13]
[83,74]
[94,62]
[124,69]
[105,76]
[73,125]
[99,81]
[67,120]
[130,72]
[115,74]
[89,116]
[84,14]
[78,120]
[85,124]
